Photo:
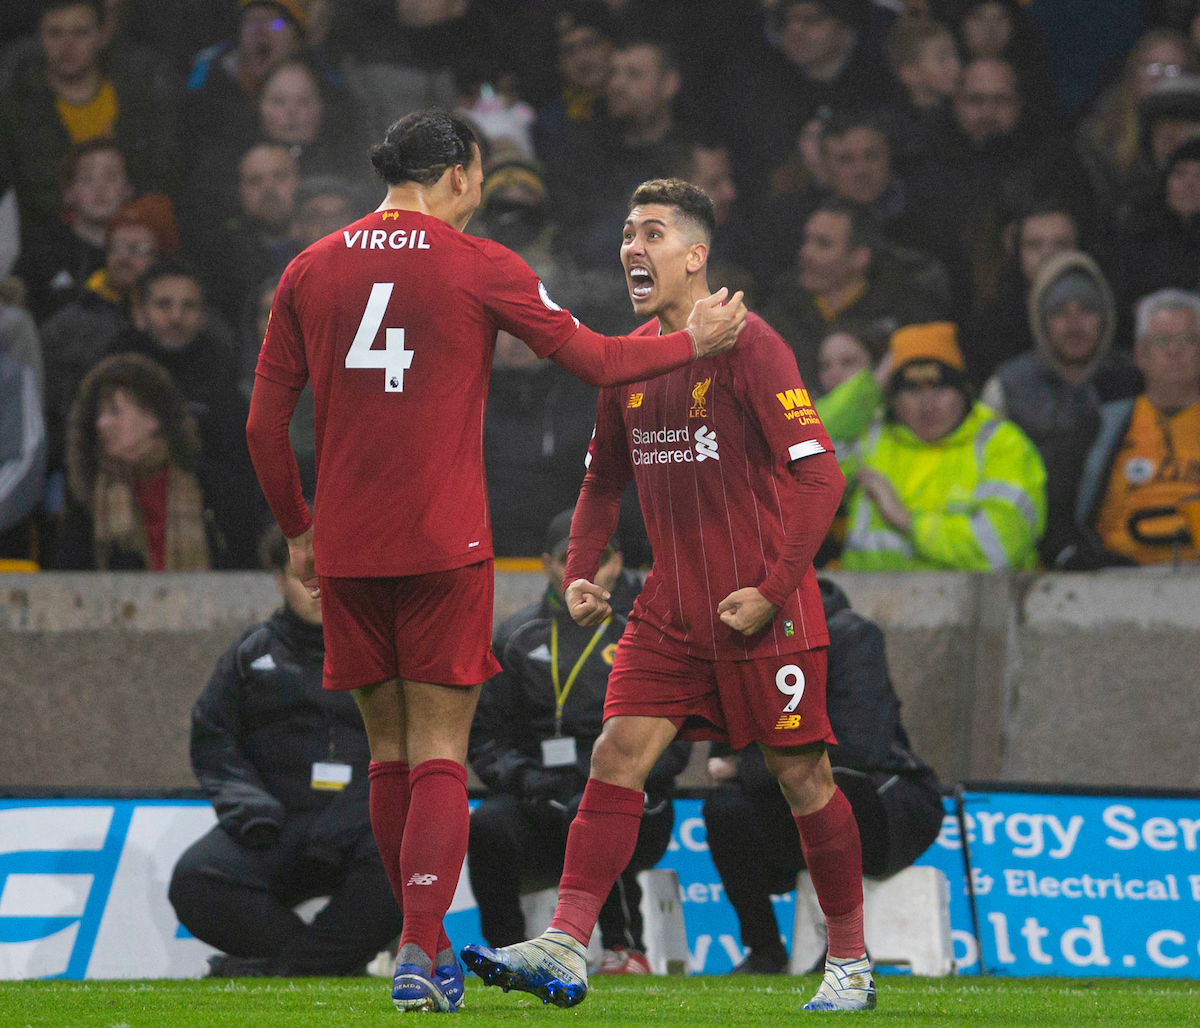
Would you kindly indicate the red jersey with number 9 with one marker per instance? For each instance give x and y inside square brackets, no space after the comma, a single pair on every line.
[394,320]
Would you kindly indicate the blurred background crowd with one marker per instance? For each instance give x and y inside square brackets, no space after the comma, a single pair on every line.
[975,222]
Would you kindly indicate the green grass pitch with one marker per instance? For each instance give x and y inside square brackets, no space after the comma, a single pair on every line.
[638,1003]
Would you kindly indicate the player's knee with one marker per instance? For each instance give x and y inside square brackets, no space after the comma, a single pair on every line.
[618,759]
[806,779]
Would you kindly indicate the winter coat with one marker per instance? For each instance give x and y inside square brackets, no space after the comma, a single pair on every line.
[1061,417]
[977,499]
[261,723]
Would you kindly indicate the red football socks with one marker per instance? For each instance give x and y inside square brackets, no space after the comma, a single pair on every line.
[599,845]
[833,855]
[433,850]
[389,812]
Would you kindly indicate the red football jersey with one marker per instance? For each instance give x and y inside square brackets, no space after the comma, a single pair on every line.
[394,320]
[709,446]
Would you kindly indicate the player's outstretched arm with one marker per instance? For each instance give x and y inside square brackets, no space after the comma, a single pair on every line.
[587,603]
[614,360]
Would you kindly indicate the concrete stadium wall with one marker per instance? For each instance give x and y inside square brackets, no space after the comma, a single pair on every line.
[1060,679]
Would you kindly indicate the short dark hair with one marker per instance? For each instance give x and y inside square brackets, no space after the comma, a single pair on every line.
[843,120]
[636,35]
[49,6]
[75,156]
[692,202]
[421,146]
[862,225]
[908,35]
[168,268]
[273,552]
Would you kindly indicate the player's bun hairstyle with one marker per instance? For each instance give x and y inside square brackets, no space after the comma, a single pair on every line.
[421,146]
[692,202]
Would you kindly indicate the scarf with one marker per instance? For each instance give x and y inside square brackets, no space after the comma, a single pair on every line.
[117,518]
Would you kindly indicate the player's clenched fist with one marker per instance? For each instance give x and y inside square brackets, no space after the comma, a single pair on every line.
[300,550]
[746,611]
[587,603]
[714,325]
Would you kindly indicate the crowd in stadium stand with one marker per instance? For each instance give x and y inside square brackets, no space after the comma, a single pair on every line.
[975,222]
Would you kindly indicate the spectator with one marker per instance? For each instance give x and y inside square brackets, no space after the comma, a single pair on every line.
[173,329]
[856,162]
[22,432]
[1004,30]
[1110,138]
[531,744]
[537,425]
[398,56]
[256,242]
[322,125]
[69,93]
[600,163]
[585,48]
[58,260]
[844,273]
[944,484]
[285,764]
[220,111]
[853,372]
[1160,245]
[734,245]
[1145,464]
[324,204]
[924,58]
[1170,116]
[894,794]
[133,475]
[82,332]
[991,155]
[1053,393]
[1001,330]
[817,55]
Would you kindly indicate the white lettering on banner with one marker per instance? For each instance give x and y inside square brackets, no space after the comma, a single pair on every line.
[1026,831]
[1154,946]
[999,924]
[698,958]
[1194,882]
[1021,882]
[1091,935]
[687,834]
[1033,934]
[1159,833]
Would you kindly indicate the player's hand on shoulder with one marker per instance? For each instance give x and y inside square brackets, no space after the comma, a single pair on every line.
[714,323]
[587,603]
[746,610]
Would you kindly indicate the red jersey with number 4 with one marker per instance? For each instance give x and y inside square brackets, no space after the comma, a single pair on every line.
[394,320]
[709,446]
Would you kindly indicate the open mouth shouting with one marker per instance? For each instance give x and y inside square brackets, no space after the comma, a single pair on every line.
[641,283]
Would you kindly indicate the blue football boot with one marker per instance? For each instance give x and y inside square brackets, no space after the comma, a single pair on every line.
[552,967]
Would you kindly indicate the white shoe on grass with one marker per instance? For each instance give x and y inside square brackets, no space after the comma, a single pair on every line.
[552,967]
[847,985]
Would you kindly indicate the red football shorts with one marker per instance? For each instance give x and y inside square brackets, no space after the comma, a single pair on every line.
[778,701]
[433,628]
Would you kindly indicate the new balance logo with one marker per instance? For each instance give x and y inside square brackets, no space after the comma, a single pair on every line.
[635,400]
[426,879]
[787,722]
[706,444]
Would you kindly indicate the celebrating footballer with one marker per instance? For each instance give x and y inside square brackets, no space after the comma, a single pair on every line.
[738,486]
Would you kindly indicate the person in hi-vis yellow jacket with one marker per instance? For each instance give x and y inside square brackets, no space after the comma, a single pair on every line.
[942,483]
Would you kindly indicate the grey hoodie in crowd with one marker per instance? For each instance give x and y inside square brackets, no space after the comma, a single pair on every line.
[1061,417]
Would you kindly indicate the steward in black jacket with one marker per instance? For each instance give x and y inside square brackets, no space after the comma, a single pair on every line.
[894,794]
[285,765]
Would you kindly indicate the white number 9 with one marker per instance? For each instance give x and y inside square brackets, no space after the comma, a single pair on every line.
[794,688]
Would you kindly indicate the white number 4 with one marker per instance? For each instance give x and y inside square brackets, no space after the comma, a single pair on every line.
[794,689]
[393,358]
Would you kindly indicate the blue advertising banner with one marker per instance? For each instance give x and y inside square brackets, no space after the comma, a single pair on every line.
[1084,885]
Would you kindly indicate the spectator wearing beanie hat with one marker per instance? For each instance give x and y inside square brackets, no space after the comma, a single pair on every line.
[76,337]
[942,483]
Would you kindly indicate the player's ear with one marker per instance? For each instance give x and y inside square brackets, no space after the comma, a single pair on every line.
[697,257]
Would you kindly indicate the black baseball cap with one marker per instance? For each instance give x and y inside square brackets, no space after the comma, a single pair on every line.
[558,534]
